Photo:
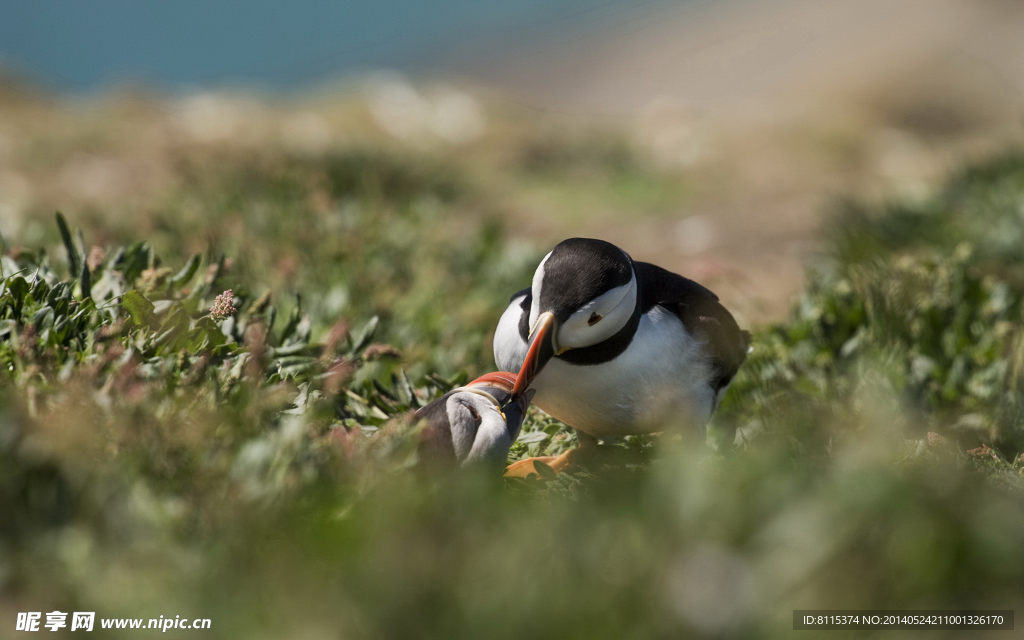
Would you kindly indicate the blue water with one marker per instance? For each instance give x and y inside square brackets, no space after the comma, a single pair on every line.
[77,45]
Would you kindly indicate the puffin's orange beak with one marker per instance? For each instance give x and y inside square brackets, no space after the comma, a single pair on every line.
[501,379]
[542,348]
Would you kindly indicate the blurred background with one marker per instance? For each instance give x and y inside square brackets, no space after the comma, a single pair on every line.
[749,115]
[373,180]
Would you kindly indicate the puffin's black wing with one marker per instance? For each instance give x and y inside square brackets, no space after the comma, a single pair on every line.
[524,320]
[702,315]
[525,292]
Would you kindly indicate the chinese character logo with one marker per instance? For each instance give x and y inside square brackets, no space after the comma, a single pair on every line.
[56,620]
[28,621]
[83,620]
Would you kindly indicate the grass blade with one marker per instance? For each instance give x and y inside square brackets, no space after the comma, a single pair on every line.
[86,281]
[74,261]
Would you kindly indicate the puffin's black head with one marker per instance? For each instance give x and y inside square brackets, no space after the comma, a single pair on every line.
[584,292]
[576,272]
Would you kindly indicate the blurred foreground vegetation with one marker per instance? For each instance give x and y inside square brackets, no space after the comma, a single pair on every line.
[157,458]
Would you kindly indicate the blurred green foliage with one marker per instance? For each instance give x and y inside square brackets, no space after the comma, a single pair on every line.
[360,232]
[923,299]
[157,458]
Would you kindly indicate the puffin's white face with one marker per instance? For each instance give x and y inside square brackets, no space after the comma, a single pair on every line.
[593,322]
[599,319]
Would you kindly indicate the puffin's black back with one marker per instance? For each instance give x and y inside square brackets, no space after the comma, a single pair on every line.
[702,315]
[436,436]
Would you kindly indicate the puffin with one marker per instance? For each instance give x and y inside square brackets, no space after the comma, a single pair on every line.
[473,425]
[613,346]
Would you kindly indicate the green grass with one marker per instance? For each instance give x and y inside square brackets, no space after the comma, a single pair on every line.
[155,459]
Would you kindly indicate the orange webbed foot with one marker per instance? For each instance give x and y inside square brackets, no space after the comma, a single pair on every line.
[524,468]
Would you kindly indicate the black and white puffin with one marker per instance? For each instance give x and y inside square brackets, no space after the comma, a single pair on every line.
[614,346]
[473,424]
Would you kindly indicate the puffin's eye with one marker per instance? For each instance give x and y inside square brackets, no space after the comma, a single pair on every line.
[594,319]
